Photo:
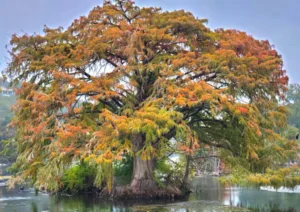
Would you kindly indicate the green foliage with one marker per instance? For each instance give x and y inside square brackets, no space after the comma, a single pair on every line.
[288,177]
[163,167]
[79,177]
[104,175]
[290,132]
[123,170]
[163,172]
[170,170]
[170,78]
[8,152]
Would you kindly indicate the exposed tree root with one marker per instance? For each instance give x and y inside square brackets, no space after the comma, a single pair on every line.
[143,190]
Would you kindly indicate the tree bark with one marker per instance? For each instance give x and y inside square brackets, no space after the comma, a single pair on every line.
[143,185]
[186,187]
[143,170]
[187,170]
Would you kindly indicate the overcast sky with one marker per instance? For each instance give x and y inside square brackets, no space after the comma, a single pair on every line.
[275,20]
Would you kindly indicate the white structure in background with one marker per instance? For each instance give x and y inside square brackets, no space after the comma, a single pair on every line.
[281,189]
[6,91]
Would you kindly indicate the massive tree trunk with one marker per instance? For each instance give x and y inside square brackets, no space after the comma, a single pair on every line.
[143,170]
[143,184]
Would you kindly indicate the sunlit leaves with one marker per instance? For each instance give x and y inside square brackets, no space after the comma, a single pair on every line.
[124,71]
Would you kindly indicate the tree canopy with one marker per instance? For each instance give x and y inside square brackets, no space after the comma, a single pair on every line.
[126,80]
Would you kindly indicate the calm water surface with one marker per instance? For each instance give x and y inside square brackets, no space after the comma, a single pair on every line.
[209,196]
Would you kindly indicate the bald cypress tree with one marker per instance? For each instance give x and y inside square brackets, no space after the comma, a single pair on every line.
[126,80]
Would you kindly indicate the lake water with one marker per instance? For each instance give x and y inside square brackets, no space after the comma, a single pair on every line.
[209,196]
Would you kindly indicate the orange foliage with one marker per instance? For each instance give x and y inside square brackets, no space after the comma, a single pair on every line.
[243,110]
[116,74]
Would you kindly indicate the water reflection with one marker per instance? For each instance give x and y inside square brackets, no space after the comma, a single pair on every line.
[212,190]
[209,196]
